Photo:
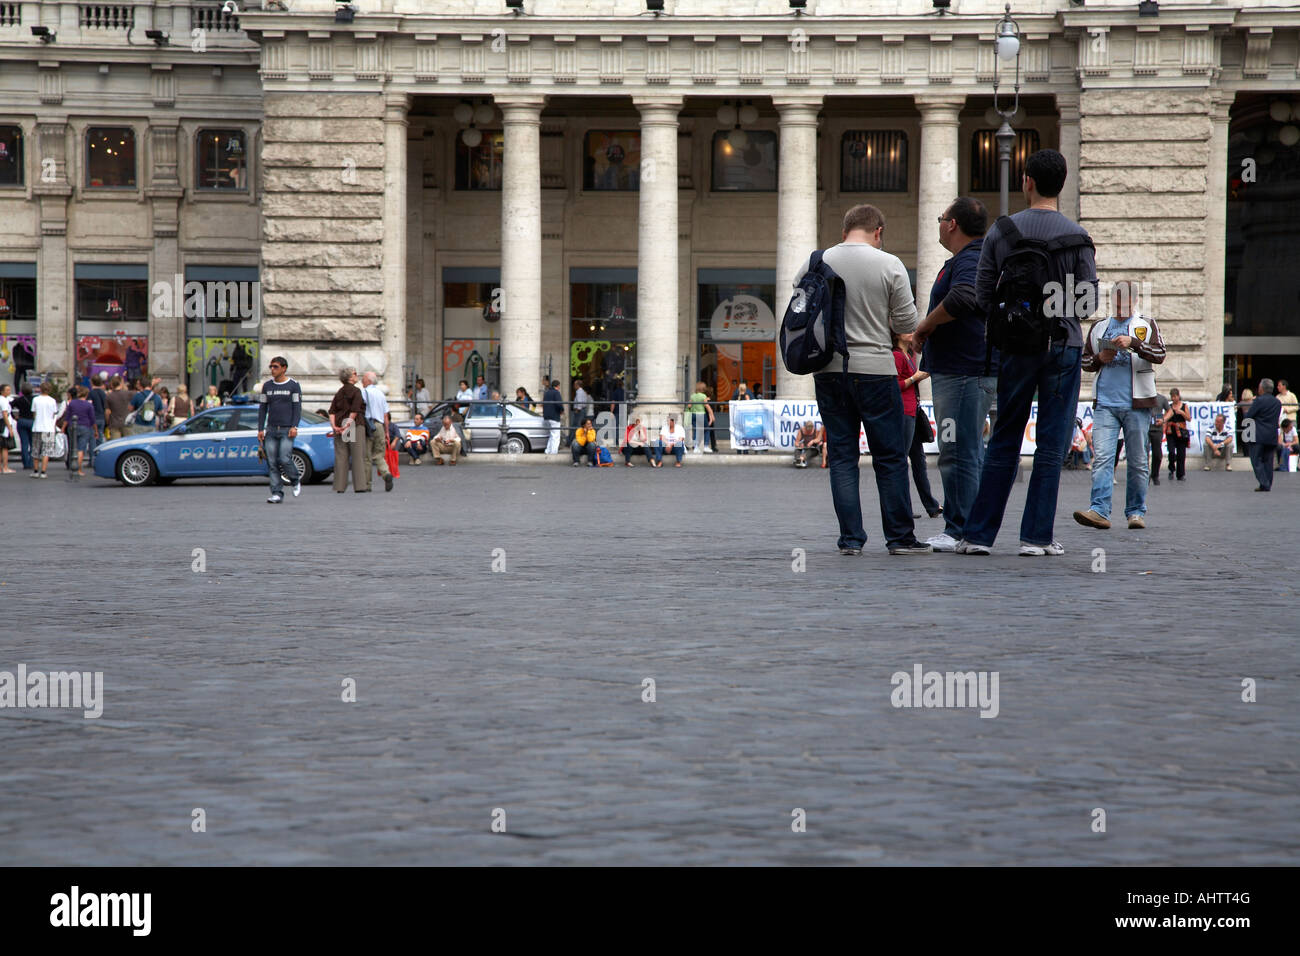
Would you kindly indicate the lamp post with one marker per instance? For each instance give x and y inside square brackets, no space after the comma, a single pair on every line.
[1006,46]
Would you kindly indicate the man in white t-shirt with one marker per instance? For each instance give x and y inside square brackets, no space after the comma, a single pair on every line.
[672,438]
[44,410]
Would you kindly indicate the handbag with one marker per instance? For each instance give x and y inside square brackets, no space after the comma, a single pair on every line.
[58,445]
[390,456]
[924,432]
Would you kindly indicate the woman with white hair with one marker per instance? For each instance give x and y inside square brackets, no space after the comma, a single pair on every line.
[346,412]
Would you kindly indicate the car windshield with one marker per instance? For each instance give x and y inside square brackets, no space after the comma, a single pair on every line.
[311,418]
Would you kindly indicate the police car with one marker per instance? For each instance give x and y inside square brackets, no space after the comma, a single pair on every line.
[215,443]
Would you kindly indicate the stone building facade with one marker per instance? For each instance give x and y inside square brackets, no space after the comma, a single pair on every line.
[600,210]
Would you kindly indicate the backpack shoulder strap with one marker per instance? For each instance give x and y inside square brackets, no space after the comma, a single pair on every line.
[1008,228]
[1075,240]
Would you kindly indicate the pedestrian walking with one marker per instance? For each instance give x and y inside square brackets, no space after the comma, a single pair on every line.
[702,420]
[44,412]
[1156,435]
[117,406]
[1263,420]
[279,411]
[99,401]
[376,423]
[1039,353]
[915,424]
[878,302]
[1176,434]
[22,407]
[553,414]
[1123,350]
[8,429]
[951,339]
[351,452]
[79,424]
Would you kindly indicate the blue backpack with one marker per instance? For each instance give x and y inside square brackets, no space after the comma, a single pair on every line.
[812,330]
[603,458]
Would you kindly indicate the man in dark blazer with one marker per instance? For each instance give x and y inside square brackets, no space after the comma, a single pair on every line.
[1262,419]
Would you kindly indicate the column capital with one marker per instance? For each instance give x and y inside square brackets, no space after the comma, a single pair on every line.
[520,104]
[662,108]
[1221,104]
[938,107]
[795,104]
[1067,104]
[397,107]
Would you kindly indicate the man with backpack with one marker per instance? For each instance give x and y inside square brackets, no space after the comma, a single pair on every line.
[147,406]
[871,296]
[1037,279]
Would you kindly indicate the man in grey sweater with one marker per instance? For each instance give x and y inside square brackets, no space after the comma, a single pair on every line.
[878,300]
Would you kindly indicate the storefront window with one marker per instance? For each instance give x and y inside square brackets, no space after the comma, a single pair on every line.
[220,159]
[744,160]
[11,155]
[110,157]
[737,331]
[222,347]
[17,321]
[611,160]
[602,331]
[873,161]
[112,321]
[479,167]
[471,328]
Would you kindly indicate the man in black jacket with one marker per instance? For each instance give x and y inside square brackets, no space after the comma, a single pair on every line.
[552,412]
[1259,428]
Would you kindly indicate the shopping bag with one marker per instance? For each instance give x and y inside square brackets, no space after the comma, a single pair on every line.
[390,456]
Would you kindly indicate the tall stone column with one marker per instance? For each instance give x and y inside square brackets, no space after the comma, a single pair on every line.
[1216,238]
[521,242]
[164,192]
[659,382]
[393,337]
[1067,104]
[940,153]
[55,317]
[796,216]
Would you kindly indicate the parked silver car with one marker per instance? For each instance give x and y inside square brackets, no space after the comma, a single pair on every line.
[485,424]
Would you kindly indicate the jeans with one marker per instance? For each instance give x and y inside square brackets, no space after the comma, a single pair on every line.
[1107,423]
[1054,375]
[678,450]
[1284,454]
[588,449]
[279,457]
[916,454]
[1261,459]
[702,432]
[874,402]
[632,451]
[961,404]
[25,440]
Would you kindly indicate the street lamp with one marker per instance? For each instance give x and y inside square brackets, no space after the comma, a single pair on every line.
[1006,46]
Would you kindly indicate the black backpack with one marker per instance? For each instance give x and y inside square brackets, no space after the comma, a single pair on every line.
[1018,322]
[812,330]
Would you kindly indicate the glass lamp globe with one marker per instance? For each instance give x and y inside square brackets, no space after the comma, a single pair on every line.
[484,113]
[1279,111]
[748,115]
[726,115]
[1008,46]
[738,139]
[463,113]
[471,137]
[1289,135]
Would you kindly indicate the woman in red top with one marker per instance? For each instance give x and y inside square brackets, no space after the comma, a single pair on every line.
[908,379]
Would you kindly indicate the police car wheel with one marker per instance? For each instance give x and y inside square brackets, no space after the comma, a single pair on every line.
[303,464]
[136,469]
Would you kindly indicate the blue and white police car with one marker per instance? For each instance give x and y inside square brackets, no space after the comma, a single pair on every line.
[215,443]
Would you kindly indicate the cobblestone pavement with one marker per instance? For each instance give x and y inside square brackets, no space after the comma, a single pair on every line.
[523,691]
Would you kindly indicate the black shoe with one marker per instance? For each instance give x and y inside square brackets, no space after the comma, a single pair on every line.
[916,547]
[388,482]
[851,551]
[1261,488]
[1181,478]
[1155,479]
[935,513]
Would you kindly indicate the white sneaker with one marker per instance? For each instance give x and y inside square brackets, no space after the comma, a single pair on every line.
[297,488]
[275,499]
[967,547]
[1035,550]
[942,542]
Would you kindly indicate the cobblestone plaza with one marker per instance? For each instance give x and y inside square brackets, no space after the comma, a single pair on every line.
[521,690]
